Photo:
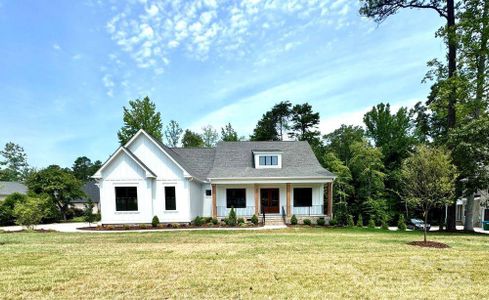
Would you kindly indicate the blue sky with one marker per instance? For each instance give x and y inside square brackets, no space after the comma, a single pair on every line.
[68,67]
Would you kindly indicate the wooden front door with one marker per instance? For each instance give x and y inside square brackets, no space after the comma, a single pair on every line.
[270,201]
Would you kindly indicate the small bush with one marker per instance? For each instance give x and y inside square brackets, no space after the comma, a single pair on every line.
[371,223]
[349,221]
[30,212]
[333,222]
[401,223]
[360,221]
[175,225]
[232,218]
[126,227]
[320,221]
[199,221]
[383,224]
[214,221]
[7,208]
[293,220]
[254,219]
[241,221]
[307,222]
[207,220]
[155,221]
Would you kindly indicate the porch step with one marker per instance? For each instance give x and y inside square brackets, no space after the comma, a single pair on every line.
[274,220]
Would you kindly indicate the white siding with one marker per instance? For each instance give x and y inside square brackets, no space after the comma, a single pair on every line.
[207,203]
[196,199]
[182,212]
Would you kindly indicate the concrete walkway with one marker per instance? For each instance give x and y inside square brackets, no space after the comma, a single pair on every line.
[436,228]
[74,227]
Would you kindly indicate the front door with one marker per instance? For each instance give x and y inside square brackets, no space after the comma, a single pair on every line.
[270,201]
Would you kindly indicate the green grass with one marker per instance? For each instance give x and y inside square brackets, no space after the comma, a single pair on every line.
[291,263]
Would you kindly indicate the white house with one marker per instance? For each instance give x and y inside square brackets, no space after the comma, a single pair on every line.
[145,178]
[481,209]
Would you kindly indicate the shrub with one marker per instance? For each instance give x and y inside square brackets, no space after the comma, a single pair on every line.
[126,227]
[307,222]
[232,217]
[7,208]
[320,221]
[241,221]
[207,220]
[383,224]
[30,212]
[333,222]
[214,221]
[401,223]
[371,223]
[175,225]
[349,221]
[88,215]
[360,221]
[293,220]
[254,219]
[155,221]
[199,221]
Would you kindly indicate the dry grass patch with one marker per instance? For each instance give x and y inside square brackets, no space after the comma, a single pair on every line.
[290,263]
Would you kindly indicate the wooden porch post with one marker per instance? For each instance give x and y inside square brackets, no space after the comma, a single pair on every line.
[214,202]
[330,199]
[289,208]
[257,199]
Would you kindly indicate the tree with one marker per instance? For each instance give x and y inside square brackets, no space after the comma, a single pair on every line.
[343,188]
[421,122]
[83,168]
[141,114]
[228,134]
[192,139]
[173,133]
[7,208]
[59,185]
[304,124]
[209,136]
[281,113]
[15,162]
[340,140]
[470,144]
[29,212]
[429,179]
[266,128]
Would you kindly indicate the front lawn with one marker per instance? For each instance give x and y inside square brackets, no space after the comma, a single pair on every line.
[291,263]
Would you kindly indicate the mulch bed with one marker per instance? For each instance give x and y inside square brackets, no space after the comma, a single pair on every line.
[429,244]
[160,226]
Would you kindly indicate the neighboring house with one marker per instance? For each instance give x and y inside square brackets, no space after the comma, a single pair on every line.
[145,178]
[92,192]
[481,209]
[10,187]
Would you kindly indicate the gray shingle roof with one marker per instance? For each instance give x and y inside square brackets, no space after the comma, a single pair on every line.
[235,160]
[92,191]
[9,187]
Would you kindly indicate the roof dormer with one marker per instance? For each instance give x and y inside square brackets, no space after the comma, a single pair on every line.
[267,159]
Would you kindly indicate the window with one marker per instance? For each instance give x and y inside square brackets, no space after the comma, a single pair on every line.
[208,192]
[486,214]
[170,199]
[236,198]
[268,160]
[126,198]
[302,197]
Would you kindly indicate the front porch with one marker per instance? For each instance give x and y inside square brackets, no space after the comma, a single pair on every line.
[301,199]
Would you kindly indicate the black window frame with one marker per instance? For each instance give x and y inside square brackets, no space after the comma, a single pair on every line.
[124,198]
[300,200]
[208,192]
[168,200]
[239,200]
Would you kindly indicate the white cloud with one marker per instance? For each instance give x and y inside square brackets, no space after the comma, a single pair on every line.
[56,47]
[77,57]
[109,84]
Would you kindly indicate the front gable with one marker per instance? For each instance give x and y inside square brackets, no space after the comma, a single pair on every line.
[121,166]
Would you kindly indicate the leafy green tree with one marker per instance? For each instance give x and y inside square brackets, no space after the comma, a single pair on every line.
[209,136]
[304,124]
[141,114]
[266,129]
[421,122]
[173,133]
[15,162]
[228,134]
[7,208]
[88,214]
[192,139]
[470,144]
[29,212]
[59,185]
[429,179]
[343,188]
[340,140]
[282,112]
[83,168]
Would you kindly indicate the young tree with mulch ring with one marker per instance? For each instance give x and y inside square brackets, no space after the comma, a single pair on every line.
[429,179]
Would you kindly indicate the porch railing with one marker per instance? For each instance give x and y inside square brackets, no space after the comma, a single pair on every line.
[223,211]
[313,210]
